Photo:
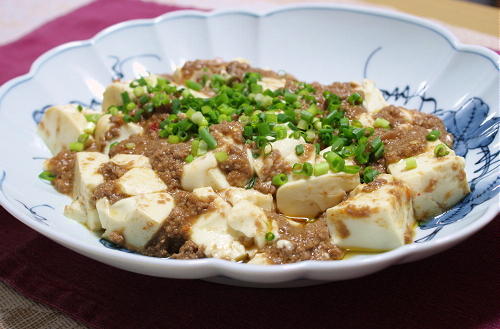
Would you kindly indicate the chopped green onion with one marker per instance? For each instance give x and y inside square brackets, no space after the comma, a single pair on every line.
[270,236]
[310,136]
[47,175]
[297,168]
[83,138]
[79,108]
[381,123]
[130,146]
[411,163]
[351,169]
[173,139]
[193,85]
[307,169]
[199,119]
[139,91]
[113,110]
[369,174]
[317,148]
[125,97]
[306,116]
[251,182]
[113,144]
[202,148]
[433,135]
[189,158]
[355,99]
[92,117]
[441,150]
[321,168]
[76,146]
[279,179]
[290,98]
[221,156]
[336,162]
[208,138]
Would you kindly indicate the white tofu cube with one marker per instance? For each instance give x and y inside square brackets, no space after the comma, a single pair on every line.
[86,179]
[203,172]
[437,184]
[373,101]
[140,181]
[307,197]
[130,161]
[250,221]
[113,94]
[125,131]
[132,222]
[235,194]
[60,126]
[211,232]
[260,259]
[375,216]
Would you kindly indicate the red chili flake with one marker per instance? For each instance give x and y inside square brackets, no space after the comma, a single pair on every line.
[154,126]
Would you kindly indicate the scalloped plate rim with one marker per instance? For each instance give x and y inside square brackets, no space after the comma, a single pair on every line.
[230,269]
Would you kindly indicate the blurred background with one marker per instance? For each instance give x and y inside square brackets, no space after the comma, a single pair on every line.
[471,20]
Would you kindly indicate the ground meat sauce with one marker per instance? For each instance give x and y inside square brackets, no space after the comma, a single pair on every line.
[307,242]
[399,116]
[274,164]
[373,186]
[114,131]
[108,190]
[402,142]
[166,159]
[237,167]
[111,171]
[62,166]
[174,233]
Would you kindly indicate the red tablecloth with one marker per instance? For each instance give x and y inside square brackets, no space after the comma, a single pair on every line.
[459,288]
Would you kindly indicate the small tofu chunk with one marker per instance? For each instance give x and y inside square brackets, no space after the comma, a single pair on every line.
[307,197]
[272,83]
[86,179]
[251,222]
[374,100]
[235,194]
[437,184]
[260,259]
[203,172]
[210,230]
[140,181]
[113,94]
[132,222]
[60,126]
[375,216]
[124,131]
[286,149]
[130,161]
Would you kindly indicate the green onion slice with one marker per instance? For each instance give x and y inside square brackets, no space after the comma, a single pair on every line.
[441,150]
[279,179]
[47,175]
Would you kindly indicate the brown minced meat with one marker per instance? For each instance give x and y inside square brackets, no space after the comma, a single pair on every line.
[310,241]
[166,159]
[395,116]
[402,142]
[62,166]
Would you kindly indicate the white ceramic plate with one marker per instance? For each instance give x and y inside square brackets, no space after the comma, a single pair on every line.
[416,63]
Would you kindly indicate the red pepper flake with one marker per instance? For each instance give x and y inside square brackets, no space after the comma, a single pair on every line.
[154,126]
